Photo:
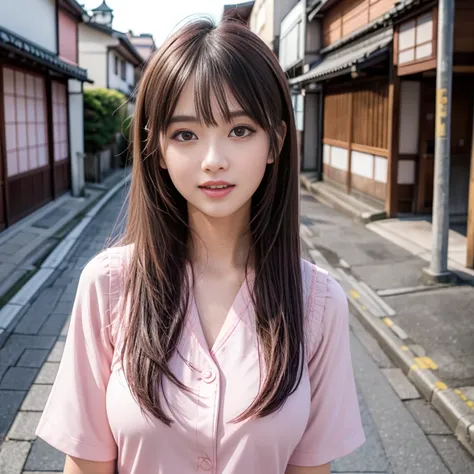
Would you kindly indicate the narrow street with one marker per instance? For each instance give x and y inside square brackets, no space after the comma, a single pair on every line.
[403,437]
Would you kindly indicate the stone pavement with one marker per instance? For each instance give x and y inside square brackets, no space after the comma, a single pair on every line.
[404,435]
[434,325]
[26,243]
[31,249]
[30,357]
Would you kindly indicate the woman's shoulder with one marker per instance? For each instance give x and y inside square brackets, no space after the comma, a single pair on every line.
[324,298]
[319,285]
[104,270]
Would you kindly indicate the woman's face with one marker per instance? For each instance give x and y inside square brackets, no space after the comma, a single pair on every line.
[232,156]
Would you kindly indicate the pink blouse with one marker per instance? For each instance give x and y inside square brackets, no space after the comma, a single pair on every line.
[91,414]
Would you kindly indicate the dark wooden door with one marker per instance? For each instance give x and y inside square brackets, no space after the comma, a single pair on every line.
[425,174]
[62,159]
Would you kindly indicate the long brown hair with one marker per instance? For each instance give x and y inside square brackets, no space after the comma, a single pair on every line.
[157,284]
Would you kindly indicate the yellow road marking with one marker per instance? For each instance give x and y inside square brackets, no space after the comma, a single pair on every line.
[405,348]
[354,294]
[426,363]
[441,385]
[388,322]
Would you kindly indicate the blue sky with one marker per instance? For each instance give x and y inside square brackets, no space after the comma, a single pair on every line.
[158,17]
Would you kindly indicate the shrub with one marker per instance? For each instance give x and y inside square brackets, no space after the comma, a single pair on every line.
[104,112]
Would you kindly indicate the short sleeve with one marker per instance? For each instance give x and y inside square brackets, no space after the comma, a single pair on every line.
[334,427]
[74,420]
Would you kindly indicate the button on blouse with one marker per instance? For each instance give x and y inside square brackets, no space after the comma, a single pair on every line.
[91,413]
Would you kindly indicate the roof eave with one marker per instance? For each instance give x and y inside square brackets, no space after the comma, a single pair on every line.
[21,46]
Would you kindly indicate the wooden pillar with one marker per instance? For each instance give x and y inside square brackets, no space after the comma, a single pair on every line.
[3,159]
[470,212]
[50,124]
[350,129]
[391,197]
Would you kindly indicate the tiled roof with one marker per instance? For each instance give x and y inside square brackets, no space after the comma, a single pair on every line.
[344,59]
[17,44]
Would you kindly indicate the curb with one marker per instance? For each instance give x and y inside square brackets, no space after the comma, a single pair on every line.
[453,405]
[11,310]
[333,201]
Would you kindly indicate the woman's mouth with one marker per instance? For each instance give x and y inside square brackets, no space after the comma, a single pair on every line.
[217,190]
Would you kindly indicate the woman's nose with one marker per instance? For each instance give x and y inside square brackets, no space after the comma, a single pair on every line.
[214,159]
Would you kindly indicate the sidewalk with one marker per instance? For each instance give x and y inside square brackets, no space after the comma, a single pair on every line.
[30,357]
[427,331]
[26,246]
[413,233]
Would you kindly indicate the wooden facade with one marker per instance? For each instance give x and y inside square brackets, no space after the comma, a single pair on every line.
[35,161]
[34,128]
[348,16]
[379,126]
[355,137]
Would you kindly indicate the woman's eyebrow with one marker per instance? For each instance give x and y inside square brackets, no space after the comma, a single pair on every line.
[193,119]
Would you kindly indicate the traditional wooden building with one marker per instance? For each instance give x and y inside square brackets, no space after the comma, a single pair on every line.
[38,73]
[377,76]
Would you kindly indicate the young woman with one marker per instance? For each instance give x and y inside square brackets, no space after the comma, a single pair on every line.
[203,343]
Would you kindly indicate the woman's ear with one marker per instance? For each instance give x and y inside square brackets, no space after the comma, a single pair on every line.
[162,163]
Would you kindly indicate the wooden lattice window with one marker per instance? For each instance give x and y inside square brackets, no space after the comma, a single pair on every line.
[25,121]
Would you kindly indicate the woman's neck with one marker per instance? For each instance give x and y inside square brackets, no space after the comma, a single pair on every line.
[219,244]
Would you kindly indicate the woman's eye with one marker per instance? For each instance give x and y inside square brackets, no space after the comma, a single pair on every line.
[184,136]
[241,132]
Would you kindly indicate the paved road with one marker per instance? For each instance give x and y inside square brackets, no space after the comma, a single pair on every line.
[402,437]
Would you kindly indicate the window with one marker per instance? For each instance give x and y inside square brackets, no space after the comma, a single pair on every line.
[298,109]
[25,121]
[116,65]
[415,39]
[60,133]
[123,70]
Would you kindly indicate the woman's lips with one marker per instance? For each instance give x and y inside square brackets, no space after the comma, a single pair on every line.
[217,192]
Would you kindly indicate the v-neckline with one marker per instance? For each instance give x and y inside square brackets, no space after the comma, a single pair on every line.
[231,320]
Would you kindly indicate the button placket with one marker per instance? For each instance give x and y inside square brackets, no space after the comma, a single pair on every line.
[208,413]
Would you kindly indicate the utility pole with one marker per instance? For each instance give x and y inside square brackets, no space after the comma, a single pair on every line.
[438,270]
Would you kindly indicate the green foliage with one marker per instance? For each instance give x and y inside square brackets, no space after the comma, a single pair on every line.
[104,112]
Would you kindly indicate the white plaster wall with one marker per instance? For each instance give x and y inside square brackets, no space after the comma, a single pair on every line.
[339,158]
[130,74]
[93,54]
[76,117]
[327,154]
[35,20]
[409,117]
[381,169]
[362,164]
[261,20]
[115,80]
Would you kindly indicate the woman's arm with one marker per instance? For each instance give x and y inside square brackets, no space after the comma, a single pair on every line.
[324,469]
[81,466]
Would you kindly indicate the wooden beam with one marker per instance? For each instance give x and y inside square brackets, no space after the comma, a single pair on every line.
[470,215]
[391,199]
[350,130]
[4,199]
[463,69]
